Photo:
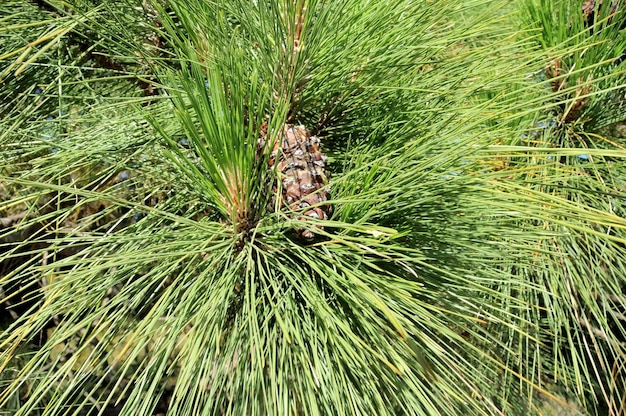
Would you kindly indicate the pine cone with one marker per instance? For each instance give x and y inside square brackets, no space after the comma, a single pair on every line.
[302,171]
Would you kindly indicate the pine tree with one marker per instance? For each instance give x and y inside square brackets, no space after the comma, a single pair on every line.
[312,207]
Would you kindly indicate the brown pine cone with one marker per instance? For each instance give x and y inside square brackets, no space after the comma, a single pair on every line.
[302,170]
